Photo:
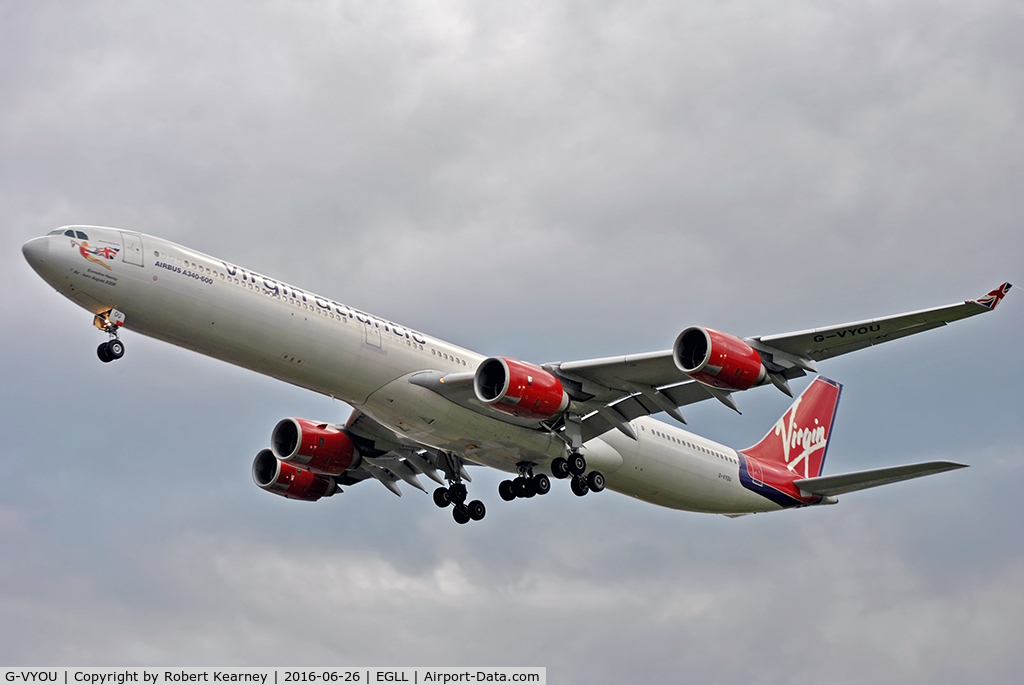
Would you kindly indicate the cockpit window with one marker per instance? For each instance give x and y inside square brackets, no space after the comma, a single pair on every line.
[57,231]
[69,233]
[81,236]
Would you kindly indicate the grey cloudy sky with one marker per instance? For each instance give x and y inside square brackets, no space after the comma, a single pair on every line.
[549,180]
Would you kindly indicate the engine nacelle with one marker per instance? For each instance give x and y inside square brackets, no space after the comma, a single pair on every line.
[286,480]
[718,359]
[520,389]
[314,446]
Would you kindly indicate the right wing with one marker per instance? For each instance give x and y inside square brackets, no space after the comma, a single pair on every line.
[389,457]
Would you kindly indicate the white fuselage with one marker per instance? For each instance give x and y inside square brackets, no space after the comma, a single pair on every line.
[192,300]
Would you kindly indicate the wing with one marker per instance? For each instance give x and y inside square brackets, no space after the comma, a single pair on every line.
[619,389]
[389,457]
[824,343]
[861,480]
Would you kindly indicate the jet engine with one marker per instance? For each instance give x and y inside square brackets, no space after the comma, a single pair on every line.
[520,389]
[286,480]
[313,446]
[718,359]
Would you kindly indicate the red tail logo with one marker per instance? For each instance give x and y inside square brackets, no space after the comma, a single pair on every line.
[799,440]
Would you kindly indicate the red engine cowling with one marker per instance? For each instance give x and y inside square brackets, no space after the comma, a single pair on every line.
[718,359]
[286,480]
[313,446]
[520,389]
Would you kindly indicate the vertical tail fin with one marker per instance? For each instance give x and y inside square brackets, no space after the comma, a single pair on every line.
[799,440]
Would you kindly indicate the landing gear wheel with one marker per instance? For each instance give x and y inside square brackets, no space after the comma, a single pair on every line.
[115,349]
[103,352]
[476,510]
[595,481]
[460,514]
[560,468]
[442,497]
[577,464]
[579,486]
[505,490]
[541,484]
[457,493]
[519,487]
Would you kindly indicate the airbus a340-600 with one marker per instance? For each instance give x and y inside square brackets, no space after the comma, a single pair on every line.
[423,406]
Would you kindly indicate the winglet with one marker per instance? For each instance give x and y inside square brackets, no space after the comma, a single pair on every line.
[994,297]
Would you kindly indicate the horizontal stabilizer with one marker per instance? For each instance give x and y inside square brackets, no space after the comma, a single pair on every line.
[861,480]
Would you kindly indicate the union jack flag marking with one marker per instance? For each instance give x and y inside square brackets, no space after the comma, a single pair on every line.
[995,297]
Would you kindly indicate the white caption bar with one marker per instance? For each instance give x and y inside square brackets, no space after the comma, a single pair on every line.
[271,676]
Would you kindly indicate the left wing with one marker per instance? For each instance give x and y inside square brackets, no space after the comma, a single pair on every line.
[619,389]
[824,343]
[609,392]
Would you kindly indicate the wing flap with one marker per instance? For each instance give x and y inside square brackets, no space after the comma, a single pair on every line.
[388,456]
[861,480]
[637,405]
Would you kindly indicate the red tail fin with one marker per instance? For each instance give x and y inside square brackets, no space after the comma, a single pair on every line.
[799,441]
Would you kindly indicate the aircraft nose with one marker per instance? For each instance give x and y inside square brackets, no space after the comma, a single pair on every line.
[36,251]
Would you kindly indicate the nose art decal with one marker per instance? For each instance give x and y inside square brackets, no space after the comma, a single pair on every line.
[91,253]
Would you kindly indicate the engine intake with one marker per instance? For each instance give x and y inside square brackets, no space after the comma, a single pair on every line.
[519,389]
[718,359]
[313,446]
[289,481]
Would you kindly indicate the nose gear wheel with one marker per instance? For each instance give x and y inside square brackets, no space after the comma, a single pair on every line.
[113,348]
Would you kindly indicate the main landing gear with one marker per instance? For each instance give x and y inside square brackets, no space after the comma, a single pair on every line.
[525,485]
[576,468]
[528,485]
[455,494]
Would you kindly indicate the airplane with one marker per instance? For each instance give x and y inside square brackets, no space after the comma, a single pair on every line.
[423,406]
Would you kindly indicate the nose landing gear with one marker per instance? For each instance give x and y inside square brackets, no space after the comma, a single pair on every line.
[109,322]
[110,350]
